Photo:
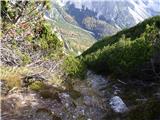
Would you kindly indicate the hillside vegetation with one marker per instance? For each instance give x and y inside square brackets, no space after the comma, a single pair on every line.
[75,38]
[133,52]
[26,36]
[40,80]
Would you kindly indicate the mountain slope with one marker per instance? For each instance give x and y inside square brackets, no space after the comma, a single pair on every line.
[75,38]
[133,33]
[129,52]
[115,15]
[39,81]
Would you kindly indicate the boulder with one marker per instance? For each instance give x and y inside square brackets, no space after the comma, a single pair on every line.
[118,105]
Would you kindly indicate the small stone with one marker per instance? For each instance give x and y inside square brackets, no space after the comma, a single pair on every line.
[74,116]
[83,112]
[67,105]
[118,105]
[23,102]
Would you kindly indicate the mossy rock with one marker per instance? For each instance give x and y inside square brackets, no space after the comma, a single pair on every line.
[50,94]
[147,111]
[37,86]
[74,94]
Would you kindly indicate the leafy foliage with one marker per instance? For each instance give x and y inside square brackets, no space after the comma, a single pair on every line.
[14,11]
[24,27]
[132,33]
[74,67]
[125,56]
[48,41]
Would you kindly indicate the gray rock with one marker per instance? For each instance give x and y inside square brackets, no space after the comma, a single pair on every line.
[118,105]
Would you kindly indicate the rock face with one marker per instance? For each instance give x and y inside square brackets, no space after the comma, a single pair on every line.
[118,105]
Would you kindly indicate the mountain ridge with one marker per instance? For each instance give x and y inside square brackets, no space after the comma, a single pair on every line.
[119,14]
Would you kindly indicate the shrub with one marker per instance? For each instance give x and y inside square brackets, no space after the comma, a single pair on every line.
[133,33]
[26,58]
[48,41]
[74,67]
[126,57]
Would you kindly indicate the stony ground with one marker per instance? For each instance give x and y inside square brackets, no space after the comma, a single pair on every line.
[86,101]
[95,98]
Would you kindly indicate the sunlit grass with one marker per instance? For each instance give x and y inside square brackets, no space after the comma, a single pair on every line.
[56,80]
[12,75]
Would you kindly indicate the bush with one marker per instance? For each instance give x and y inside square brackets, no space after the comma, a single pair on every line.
[133,33]
[126,57]
[48,41]
[50,45]
[26,58]
[74,67]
